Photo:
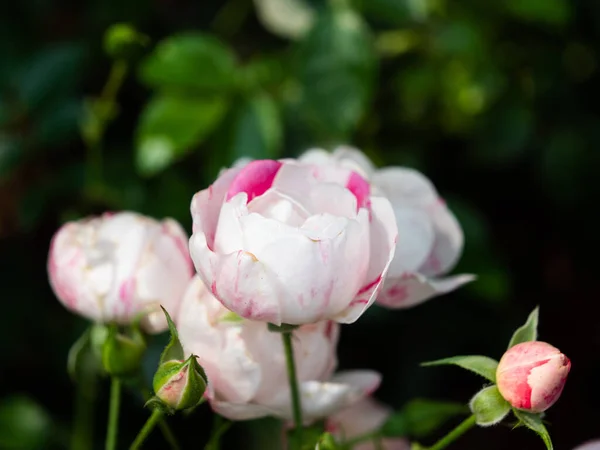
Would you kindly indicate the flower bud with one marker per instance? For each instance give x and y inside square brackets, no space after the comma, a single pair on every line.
[531,375]
[180,385]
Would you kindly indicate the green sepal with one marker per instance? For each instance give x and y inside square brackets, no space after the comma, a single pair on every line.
[230,316]
[527,332]
[174,349]
[122,354]
[421,417]
[180,385]
[489,407]
[481,365]
[78,353]
[534,423]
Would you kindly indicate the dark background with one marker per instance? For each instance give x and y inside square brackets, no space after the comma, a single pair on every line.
[495,101]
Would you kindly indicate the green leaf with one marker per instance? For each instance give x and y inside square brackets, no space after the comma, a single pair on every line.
[489,407]
[171,125]
[481,365]
[335,65]
[534,422]
[256,130]
[286,18]
[173,350]
[421,417]
[551,12]
[527,332]
[24,424]
[194,61]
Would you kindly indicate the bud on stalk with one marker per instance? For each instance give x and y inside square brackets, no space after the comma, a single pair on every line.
[532,375]
[180,385]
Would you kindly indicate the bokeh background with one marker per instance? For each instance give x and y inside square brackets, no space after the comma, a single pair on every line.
[496,101]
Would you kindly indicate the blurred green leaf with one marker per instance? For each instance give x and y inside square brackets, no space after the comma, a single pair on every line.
[49,74]
[421,417]
[286,18]
[553,12]
[256,131]
[527,332]
[393,12]
[11,154]
[489,407]
[24,424]
[195,61]
[336,65]
[171,125]
[58,122]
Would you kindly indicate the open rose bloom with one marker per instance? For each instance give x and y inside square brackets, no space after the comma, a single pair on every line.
[430,239]
[289,242]
[363,417]
[113,267]
[592,445]
[245,363]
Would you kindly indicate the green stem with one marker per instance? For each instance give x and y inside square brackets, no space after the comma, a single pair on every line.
[113,414]
[147,429]
[162,424]
[453,435]
[83,428]
[294,391]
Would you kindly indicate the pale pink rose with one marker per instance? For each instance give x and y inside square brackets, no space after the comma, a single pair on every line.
[592,445]
[363,417]
[286,242]
[113,267]
[531,375]
[245,362]
[430,239]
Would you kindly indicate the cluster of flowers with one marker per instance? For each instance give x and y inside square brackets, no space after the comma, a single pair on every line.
[311,242]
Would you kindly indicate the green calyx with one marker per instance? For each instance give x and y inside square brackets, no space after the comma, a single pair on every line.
[180,385]
[120,353]
[123,41]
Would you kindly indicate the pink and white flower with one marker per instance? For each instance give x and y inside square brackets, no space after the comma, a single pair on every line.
[531,375]
[295,243]
[245,362]
[364,417]
[116,266]
[430,239]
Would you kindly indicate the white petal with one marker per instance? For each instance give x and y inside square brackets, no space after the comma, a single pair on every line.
[592,445]
[383,234]
[449,240]
[365,416]
[353,159]
[412,288]
[240,411]
[238,280]
[403,186]
[415,240]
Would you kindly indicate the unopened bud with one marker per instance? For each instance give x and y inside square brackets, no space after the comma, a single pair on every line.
[180,385]
[124,41]
[532,375]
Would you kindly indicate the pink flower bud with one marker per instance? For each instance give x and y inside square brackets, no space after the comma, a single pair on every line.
[531,375]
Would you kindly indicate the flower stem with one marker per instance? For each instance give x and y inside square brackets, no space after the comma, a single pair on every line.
[220,426]
[453,435]
[113,414]
[83,428]
[294,391]
[155,418]
[162,424]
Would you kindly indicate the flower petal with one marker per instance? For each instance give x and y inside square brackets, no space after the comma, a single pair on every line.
[238,280]
[448,245]
[415,240]
[383,235]
[413,288]
[240,411]
[405,187]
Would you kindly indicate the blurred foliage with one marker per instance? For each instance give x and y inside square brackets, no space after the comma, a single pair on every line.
[495,101]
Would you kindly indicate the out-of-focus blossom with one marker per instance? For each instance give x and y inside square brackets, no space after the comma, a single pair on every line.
[116,266]
[294,243]
[592,445]
[531,375]
[430,239]
[363,417]
[245,362]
